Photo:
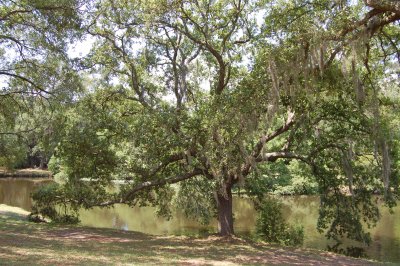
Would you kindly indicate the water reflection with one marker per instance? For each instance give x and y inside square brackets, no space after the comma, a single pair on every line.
[302,210]
[140,219]
[17,191]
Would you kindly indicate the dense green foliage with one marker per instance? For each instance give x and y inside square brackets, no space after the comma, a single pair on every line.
[199,98]
[283,178]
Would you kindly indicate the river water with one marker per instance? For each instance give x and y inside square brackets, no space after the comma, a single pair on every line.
[302,210]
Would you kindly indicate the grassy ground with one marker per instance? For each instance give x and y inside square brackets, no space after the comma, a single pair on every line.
[24,173]
[26,243]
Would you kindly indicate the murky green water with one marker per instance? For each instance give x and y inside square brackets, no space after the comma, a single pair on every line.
[298,210]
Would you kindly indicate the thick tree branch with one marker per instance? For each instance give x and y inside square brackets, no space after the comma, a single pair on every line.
[44,7]
[171,159]
[393,44]
[265,139]
[273,156]
[384,5]
[374,20]
[26,80]
[14,12]
[221,63]
[133,73]
[151,184]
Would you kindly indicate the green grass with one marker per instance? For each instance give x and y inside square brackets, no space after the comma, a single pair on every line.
[26,243]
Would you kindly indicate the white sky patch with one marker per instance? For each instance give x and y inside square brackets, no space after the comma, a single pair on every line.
[260,17]
[82,48]
[3,83]
[205,84]
[169,98]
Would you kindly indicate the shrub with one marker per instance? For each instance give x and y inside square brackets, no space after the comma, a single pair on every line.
[271,225]
[49,201]
[54,165]
[294,235]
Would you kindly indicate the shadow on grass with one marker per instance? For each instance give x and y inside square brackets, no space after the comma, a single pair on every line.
[26,243]
[6,215]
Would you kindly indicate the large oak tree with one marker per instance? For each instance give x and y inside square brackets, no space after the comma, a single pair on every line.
[199,93]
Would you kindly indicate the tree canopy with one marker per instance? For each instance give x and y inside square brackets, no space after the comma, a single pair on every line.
[210,94]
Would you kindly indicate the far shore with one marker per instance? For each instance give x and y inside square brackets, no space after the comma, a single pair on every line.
[29,172]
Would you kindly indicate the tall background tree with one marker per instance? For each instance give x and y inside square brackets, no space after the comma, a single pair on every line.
[36,75]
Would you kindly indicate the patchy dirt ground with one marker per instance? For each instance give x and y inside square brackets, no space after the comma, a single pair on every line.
[25,243]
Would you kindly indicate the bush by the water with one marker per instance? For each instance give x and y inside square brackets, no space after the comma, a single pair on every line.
[272,227]
[49,201]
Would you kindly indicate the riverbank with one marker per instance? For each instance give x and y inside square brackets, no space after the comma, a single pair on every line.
[26,243]
[30,172]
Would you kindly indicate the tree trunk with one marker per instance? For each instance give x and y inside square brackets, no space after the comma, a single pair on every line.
[41,164]
[225,215]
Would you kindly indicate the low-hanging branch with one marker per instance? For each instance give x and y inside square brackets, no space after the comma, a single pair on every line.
[170,159]
[151,184]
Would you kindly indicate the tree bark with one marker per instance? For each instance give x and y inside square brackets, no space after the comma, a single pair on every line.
[225,214]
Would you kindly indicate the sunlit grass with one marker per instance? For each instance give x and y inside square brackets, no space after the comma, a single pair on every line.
[26,243]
